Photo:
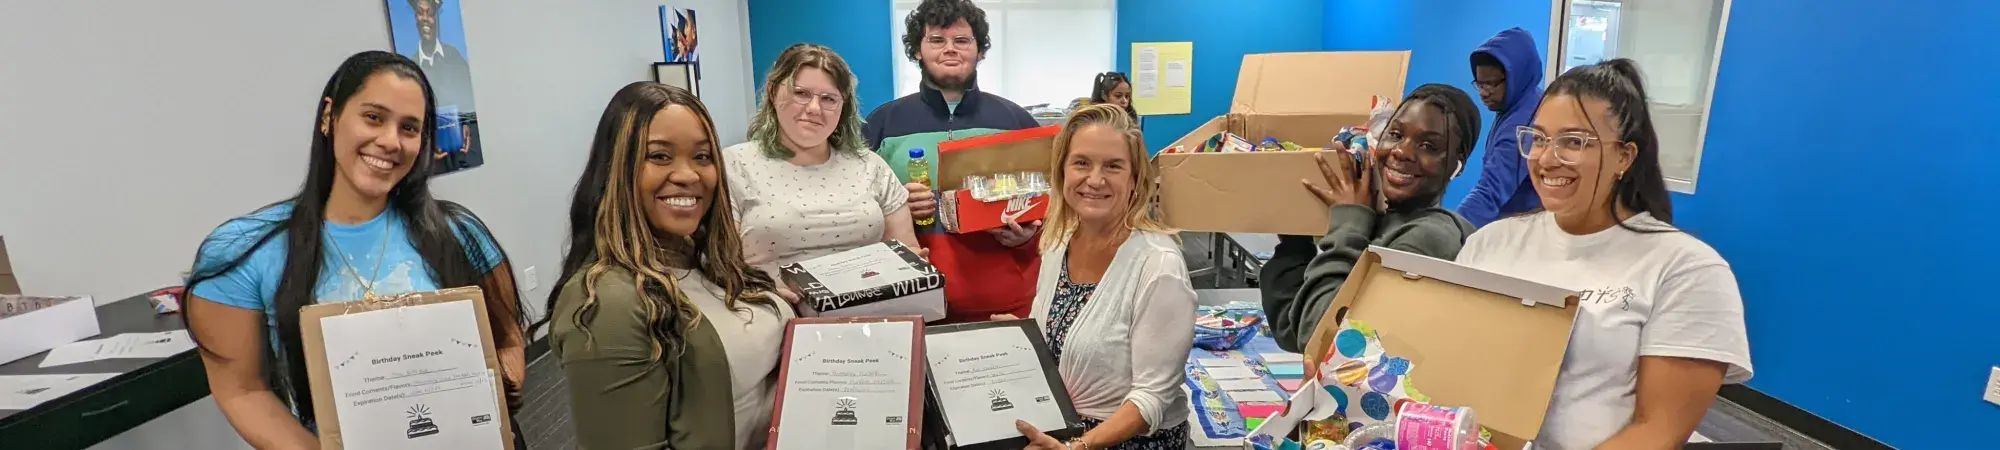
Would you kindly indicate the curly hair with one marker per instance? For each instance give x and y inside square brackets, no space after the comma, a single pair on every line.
[943,13]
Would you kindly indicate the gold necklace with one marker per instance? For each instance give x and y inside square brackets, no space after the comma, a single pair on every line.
[368,287]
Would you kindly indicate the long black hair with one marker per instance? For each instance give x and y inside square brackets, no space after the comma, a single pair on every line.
[434,228]
[609,229]
[1103,84]
[1643,187]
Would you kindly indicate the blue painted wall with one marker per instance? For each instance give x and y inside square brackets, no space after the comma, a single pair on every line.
[1222,33]
[857,29]
[1863,265]
[1855,313]
[1440,35]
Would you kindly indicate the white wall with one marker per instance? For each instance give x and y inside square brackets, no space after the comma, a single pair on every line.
[127,132]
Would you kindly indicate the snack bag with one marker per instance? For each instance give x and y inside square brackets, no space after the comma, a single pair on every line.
[1368,385]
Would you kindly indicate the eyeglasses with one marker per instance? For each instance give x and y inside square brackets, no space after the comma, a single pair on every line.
[1495,84]
[827,102]
[958,42]
[1569,147]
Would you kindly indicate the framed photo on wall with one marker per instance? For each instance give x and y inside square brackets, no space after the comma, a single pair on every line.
[432,33]
[677,74]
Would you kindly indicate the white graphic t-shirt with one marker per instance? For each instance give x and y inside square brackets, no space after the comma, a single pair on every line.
[1643,294]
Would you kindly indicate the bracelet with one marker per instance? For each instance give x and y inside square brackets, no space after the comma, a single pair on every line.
[1079,444]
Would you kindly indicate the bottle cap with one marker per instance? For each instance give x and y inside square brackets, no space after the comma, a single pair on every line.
[916,153]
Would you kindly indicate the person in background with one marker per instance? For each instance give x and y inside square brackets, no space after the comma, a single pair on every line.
[1115,88]
[1507,70]
[363,225]
[1114,298]
[986,274]
[1660,328]
[805,184]
[1426,145]
[668,338]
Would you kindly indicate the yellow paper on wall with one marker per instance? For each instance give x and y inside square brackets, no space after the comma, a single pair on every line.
[1162,77]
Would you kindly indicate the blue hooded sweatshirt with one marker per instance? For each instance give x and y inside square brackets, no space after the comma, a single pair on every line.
[1504,188]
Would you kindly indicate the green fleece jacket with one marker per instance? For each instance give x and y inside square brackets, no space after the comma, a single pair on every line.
[1296,292]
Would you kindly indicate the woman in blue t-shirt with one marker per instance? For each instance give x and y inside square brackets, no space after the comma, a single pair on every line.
[363,224]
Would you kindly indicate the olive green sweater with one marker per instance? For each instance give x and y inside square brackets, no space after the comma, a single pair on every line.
[619,399]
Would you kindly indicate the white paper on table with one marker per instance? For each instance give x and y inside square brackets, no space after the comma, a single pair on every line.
[1274,358]
[1263,396]
[988,378]
[1177,73]
[1245,384]
[127,345]
[847,385]
[413,377]
[43,327]
[1312,402]
[1215,363]
[1230,373]
[861,268]
[26,391]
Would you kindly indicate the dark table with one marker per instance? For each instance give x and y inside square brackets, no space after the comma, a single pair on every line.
[143,390]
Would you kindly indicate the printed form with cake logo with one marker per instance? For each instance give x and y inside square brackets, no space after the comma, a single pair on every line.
[412,378]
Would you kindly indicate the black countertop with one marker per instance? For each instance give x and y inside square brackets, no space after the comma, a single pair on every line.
[143,390]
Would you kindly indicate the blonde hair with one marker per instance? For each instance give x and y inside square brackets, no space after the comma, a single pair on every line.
[1061,221]
[846,137]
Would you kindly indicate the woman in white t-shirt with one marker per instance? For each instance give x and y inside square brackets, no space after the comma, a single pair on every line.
[806,184]
[1661,326]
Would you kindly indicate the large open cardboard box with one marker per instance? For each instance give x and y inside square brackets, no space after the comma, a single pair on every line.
[1304,98]
[8,284]
[1474,338]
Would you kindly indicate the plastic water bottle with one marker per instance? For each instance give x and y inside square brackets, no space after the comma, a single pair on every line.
[920,173]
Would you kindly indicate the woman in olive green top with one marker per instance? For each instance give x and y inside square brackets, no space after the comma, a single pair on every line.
[660,324]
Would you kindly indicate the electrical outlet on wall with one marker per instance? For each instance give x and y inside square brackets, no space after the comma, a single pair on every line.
[1993,387]
[528,281]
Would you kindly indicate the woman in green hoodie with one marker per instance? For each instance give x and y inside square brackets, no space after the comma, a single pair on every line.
[1425,146]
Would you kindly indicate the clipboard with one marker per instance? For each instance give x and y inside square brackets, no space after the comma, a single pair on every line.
[318,369]
[941,425]
[846,413]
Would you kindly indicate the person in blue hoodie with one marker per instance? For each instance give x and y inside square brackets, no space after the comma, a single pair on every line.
[1507,70]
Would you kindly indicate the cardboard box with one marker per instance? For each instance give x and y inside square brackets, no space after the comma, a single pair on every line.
[8,284]
[324,398]
[1474,338]
[1304,98]
[959,213]
[881,279]
[1029,150]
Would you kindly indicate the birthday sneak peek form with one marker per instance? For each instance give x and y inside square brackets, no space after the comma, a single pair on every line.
[412,378]
[986,379]
[847,386]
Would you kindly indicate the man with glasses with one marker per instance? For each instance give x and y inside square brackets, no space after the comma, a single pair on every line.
[1507,70]
[986,274]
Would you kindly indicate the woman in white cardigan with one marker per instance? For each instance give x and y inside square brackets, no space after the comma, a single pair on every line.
[1113,297]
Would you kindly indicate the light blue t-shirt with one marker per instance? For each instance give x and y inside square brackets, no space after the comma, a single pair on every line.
[252,284]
